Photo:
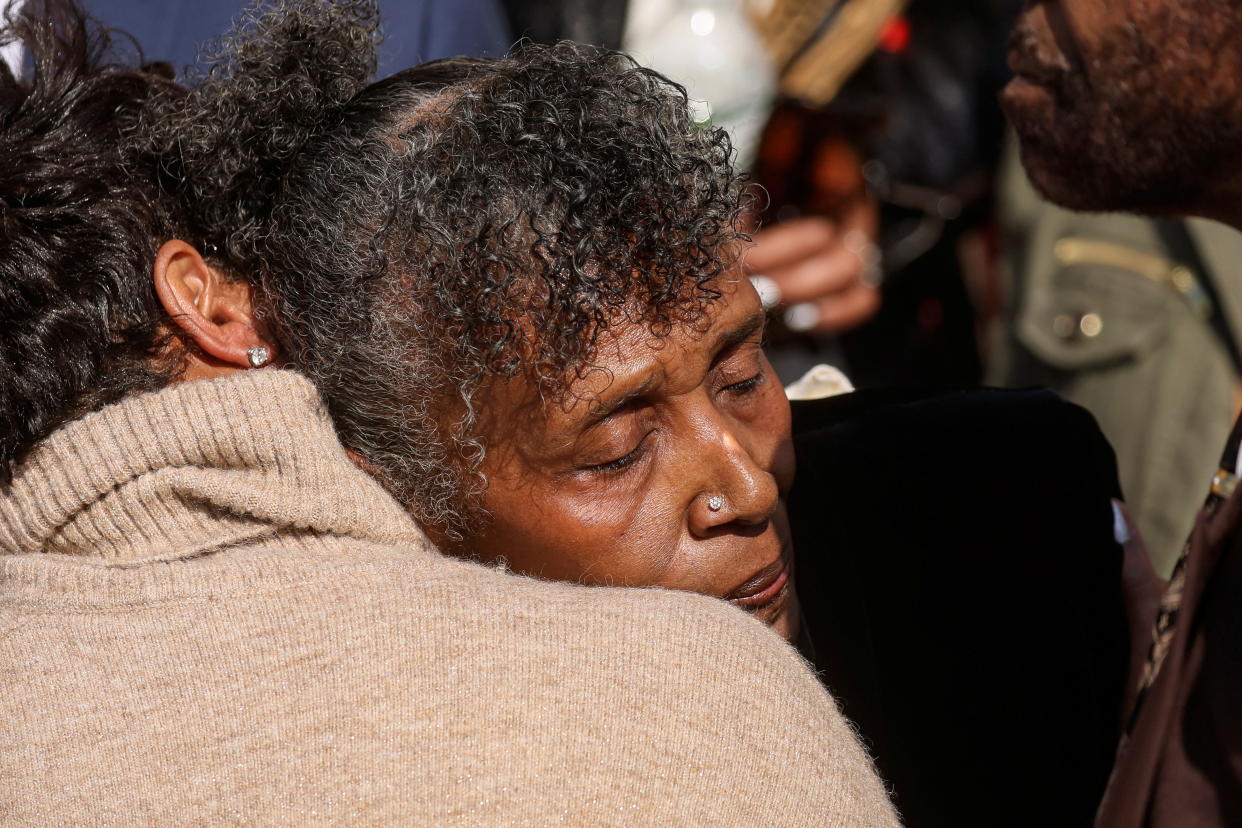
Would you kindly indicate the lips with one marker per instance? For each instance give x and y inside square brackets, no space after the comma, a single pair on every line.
[1029,69]
[763,589]
[1027,60]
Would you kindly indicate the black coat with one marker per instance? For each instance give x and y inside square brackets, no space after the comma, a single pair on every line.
[962,594]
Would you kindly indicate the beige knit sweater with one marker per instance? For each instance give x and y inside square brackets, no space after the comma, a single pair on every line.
[209,615]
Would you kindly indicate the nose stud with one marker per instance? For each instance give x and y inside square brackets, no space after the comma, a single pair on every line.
[715,503]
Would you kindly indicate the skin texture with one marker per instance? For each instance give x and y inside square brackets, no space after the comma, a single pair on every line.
[1131,105]
[623,500]
[407,231]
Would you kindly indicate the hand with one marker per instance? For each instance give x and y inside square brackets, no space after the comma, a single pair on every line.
[825,274]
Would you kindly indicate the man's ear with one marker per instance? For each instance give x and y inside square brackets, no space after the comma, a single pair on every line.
[216,313]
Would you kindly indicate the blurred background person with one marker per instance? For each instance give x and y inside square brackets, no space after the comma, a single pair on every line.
[1135,107]
[887,127]
[1134,319]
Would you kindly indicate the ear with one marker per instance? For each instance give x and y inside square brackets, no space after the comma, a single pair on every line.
[218,314]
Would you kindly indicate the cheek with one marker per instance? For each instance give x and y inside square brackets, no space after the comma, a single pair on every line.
[767,430]
[783,464]
[611,535]
[1085,25]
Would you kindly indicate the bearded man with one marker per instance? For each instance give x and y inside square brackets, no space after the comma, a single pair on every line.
[1136,105]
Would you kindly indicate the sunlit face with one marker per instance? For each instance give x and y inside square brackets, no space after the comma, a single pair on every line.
[615,485]
[1130,104]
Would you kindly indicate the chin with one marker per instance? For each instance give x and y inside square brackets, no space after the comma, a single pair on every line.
[1055,148]
[1090,183]
[1086,154]
[785,618]
[789,626]
[1069,172]
[1072,189]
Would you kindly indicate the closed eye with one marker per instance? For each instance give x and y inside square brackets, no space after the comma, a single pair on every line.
[746,385]
[621,462]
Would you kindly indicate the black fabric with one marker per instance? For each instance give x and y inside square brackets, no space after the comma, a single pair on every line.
[962,590]
[599,22]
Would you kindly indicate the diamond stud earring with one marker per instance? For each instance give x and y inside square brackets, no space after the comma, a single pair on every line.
[258,356]
[715,503]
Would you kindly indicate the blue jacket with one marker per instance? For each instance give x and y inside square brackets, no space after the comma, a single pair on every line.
[415,31]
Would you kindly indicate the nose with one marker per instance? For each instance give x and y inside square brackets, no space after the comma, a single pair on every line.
[735,490]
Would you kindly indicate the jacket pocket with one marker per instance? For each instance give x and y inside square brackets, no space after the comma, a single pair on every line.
[1104,303]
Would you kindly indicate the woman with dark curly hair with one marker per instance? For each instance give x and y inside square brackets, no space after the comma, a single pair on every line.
[208,612]
[515,283]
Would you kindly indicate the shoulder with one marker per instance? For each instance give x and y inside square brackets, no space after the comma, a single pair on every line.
[983,480]
[536,701]
[693,696]
[972,464]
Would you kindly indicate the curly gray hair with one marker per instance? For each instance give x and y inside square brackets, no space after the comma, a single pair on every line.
[460,221]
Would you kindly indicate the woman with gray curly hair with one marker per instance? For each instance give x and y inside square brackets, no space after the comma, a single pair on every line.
[515,284]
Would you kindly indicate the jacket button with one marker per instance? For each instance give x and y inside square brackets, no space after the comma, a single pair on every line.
[1091,324]
[1068,326]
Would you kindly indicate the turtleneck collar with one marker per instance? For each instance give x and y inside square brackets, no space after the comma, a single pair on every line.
[191,469]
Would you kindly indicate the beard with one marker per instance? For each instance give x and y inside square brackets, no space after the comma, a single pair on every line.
[1149,130]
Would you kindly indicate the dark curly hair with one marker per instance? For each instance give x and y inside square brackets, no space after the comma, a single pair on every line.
[460,221]
[79,228]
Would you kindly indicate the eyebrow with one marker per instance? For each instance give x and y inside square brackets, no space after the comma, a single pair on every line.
[736,336]
[601,410]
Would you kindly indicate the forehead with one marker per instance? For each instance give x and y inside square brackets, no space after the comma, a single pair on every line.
[626,340]
[628,356]
[627,351]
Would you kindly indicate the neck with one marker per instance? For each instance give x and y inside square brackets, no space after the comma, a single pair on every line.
[194,468]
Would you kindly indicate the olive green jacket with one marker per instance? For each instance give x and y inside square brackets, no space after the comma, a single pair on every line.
[1115,314]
